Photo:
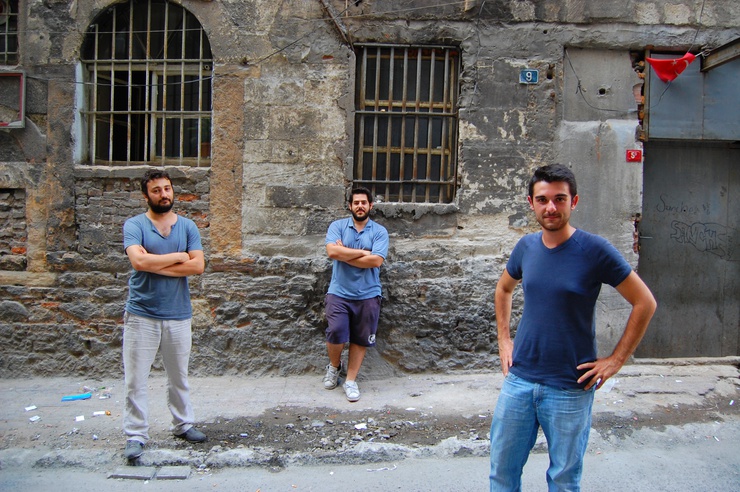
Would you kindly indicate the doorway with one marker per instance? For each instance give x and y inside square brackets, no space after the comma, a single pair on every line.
[690,248]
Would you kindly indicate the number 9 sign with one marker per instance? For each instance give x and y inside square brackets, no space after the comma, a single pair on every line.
[529,76]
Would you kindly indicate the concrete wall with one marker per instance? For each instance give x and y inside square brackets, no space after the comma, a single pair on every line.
[282,152]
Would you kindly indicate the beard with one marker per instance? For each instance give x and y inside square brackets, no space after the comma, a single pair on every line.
[160,209]
[360,218]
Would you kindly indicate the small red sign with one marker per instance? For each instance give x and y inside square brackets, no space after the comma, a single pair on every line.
[634,155]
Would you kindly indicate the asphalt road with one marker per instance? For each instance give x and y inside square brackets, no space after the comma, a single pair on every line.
[692,457]
[658,426]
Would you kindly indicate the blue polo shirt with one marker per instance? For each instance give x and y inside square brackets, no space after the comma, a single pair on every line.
[158,296]
[348,281]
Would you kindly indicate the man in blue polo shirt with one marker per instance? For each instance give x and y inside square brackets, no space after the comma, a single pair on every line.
[163,248]
[358,247]
[551,369]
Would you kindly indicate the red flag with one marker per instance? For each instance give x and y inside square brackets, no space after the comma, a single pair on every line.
[669,69]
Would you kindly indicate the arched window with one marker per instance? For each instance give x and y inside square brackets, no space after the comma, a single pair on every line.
[147,66]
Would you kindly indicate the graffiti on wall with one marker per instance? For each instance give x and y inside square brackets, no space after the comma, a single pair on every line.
[709,237]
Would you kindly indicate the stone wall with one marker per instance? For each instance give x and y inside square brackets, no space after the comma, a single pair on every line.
[13,235]
[282,153]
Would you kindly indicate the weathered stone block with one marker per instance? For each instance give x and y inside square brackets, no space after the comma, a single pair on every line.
[13,311]
[305,196]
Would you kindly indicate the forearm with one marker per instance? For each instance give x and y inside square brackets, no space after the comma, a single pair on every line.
[634,290]
[369,261]
[343,253]
[153,263]
[502,303]
[637,324]
[190,267]
[503,330]
[598,371]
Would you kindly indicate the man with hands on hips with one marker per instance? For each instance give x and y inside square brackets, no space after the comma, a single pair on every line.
[551,369]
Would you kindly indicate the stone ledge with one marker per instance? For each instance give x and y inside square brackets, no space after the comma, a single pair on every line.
[137,171]
[416,210]
[28,279]
[732,360]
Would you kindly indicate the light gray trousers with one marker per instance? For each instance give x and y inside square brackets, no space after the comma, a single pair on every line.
[142,338]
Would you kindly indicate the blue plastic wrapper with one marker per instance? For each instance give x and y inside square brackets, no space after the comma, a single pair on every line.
[83,396]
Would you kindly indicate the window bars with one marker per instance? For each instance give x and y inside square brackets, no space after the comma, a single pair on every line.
[406,122]
[148,67]
[8,32]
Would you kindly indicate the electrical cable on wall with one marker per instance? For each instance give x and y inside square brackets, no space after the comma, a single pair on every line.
[579,90]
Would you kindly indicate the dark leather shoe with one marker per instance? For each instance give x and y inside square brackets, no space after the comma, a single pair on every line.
[192,435]
[133,450]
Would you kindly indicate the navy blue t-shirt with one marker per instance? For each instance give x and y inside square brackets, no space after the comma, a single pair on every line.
[557,330]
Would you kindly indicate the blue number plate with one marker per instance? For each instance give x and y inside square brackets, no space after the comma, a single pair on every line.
[528,76]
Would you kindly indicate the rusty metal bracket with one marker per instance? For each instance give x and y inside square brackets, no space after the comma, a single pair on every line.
[721,55]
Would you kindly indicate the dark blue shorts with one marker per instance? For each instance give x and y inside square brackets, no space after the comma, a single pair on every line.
[352,321]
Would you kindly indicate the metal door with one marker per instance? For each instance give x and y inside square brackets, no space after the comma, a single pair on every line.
[690,248]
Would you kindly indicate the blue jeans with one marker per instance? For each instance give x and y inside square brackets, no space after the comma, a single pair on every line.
[565,418]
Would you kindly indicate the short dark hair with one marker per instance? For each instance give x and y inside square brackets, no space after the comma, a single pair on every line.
[361,190]
[553,173]
[151,175]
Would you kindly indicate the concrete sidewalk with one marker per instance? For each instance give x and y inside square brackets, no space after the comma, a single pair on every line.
[80,433]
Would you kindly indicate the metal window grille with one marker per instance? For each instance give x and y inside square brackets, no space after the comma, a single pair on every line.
[8,32]
[406,122]
[148,67]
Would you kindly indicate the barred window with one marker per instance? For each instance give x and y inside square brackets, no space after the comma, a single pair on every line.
[8,32]
[148,69]
[406,122]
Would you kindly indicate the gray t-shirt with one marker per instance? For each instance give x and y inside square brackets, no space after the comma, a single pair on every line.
[158,296]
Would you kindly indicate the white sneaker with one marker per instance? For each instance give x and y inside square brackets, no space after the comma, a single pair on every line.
[352,391]
[332,376]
